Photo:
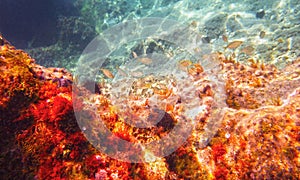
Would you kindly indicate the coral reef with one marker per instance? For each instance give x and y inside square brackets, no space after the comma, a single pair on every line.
[258,138]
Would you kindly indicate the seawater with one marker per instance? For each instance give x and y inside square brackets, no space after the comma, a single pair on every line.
[56,32]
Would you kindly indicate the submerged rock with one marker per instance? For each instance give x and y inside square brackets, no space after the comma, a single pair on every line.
[260,13]
[258,136]
[215,26]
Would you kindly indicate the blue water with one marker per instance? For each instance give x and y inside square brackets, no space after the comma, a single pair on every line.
[55,32]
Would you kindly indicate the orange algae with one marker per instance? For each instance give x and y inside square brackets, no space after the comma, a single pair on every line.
[55,143]
[19,88]
[261,146]
[17,78]
[258,137]
[183,162]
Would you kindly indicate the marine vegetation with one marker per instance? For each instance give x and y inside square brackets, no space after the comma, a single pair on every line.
[258,136]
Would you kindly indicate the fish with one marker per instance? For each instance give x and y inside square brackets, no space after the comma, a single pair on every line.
[247,50]
[145,60]
[197,50]
[134,55]
[121,71]
[194,24]
[280,40]
[234,44]
[75,79]
[169,107]
[136,73]
[195,70]
[183,64]
[262,34]
[225,38]
[107,73]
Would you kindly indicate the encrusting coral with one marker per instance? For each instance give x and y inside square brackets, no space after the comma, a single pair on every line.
[259,135]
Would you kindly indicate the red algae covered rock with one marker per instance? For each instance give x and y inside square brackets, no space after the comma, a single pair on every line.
[258,136]
[257,85]
[18,88]
[258,144]
[260,140]
[17,79]
[39,133]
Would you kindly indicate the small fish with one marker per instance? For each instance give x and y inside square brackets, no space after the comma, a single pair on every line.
[183,64]
[247,50]
[107,73]
[234,44]
[233,55]
[195,70]
[145,60]
[136,74]
[169,54]
[262,34]
[121,72]
[194,24]
[75,79]
[197,50]
[225,38]
[134,55]
[280,40]
[169,107]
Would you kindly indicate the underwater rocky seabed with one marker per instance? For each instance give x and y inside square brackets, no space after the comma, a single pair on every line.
[269,29]
[258,136]
[258,133]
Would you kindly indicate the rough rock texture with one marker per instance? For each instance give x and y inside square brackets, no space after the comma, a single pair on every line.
[259,136]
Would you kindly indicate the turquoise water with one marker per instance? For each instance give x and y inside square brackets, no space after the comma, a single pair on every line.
[56,32]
